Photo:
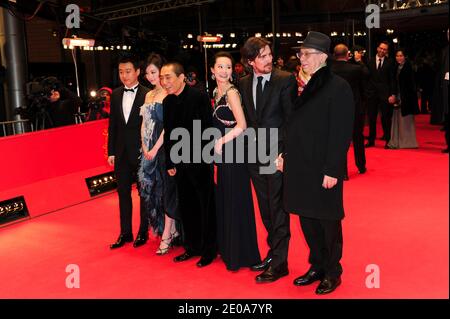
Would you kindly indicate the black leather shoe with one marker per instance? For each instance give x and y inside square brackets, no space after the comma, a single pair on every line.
[140,240]
[445,151]
[328,285]
[263,265]
[345,177]
[308,278]
[205,261]
[122,240]
[370,144]
[363,170]
[272,274]
[183,257]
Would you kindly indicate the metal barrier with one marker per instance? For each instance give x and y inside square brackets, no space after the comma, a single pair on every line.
[17,127]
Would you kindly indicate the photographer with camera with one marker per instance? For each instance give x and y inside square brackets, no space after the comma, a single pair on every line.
[64,104]
[99,105]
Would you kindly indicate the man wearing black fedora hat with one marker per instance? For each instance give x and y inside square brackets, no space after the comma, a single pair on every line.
[318,136]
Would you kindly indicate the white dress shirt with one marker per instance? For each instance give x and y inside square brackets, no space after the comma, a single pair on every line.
[127,102]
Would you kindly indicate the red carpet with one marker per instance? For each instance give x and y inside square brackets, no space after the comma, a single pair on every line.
[397,218]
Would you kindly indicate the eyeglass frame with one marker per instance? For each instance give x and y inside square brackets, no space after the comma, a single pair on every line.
[306,54]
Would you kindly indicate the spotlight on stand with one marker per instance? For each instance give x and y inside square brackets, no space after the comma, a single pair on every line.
[72,43]
[101,183]
[13,209]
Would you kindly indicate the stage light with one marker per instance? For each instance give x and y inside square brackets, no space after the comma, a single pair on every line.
[258,35]
[232,35]
[395,40]
[189,36]
[78,42]
[124,47]
[93,93]
[101,183]
[13,209]
[208,38]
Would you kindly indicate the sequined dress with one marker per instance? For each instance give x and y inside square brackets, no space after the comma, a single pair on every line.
[156,187]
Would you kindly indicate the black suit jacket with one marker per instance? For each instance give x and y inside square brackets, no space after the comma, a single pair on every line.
[381,82]
[278,96]
[125,138]
[180,112]
[355,75]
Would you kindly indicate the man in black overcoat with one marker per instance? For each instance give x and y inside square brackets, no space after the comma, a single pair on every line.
[355,76]
[194,178]
[318,136]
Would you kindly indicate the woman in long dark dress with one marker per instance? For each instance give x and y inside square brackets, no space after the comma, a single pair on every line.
[403,129]
[236,229]
[157,188]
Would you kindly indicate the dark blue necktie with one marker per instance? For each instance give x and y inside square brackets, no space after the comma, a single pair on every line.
[259,93]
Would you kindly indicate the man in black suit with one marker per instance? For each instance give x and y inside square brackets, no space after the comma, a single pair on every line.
[268,95]
[381,93]
[355,75]
[124,147]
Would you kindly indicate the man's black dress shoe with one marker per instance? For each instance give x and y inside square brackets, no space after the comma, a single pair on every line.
[121,241]
[183,257]
[308,278]
[363,170]
[346,177]
[263,265]
[370,144]
[205,261]
[328,285]
[140,240]
[272,274]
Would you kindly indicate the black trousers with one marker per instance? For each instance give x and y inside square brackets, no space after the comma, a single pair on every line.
[358,142]
[375,105]
[126,172]
[196,203]
[324,239]
[269,190]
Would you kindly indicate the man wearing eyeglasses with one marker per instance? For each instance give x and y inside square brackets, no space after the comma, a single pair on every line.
[381,93]
[318,136]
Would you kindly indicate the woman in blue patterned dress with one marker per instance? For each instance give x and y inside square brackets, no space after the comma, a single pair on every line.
[157,188]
